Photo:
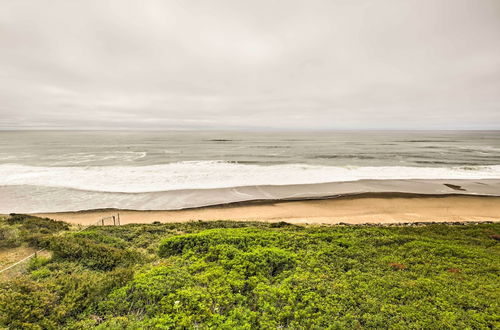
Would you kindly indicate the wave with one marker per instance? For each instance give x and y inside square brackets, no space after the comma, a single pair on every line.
[80,158]
[220,174]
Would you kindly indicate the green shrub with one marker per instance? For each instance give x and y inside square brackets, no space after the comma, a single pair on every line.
[34,231]
[27,304]
[201,242]
[103,238]
[48,302]
[239,275]
[41,225]
[91,254]
[37,262]
[9,236]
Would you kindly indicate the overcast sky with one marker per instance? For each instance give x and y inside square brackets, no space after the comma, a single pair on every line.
[336,64]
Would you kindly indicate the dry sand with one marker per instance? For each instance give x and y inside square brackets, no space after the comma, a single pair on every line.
[371,208]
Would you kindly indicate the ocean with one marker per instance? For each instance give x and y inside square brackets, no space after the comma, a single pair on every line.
[42,171]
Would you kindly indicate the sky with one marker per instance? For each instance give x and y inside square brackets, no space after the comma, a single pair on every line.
[259,64]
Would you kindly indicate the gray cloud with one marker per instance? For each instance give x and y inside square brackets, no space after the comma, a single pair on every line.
[411,64]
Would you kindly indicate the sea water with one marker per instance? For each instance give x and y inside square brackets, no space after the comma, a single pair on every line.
[40,168]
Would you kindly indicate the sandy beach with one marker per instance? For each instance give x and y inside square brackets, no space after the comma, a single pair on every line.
[368,208]
[42,199]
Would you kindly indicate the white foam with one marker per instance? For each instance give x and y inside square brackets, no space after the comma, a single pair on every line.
[218,174]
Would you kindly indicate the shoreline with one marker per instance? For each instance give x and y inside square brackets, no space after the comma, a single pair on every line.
[41,199]
[375,208]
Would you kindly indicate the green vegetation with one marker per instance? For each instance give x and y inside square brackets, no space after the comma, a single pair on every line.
[19,229]
[234,275]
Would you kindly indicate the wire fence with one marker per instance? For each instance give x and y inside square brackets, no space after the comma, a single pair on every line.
[101,222]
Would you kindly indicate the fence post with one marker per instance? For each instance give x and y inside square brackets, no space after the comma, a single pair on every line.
[119,219]
[102,221]
[114,222]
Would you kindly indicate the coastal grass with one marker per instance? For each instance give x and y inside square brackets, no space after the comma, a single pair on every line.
[246,275]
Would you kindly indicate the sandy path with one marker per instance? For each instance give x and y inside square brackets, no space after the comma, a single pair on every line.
[349,210]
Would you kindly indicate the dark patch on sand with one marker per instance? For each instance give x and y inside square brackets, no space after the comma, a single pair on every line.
[454,187]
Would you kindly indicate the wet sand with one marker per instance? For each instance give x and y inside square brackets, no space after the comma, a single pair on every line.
[366,208]
[38,199]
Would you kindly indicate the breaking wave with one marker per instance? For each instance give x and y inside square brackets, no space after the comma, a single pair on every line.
[219,174]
